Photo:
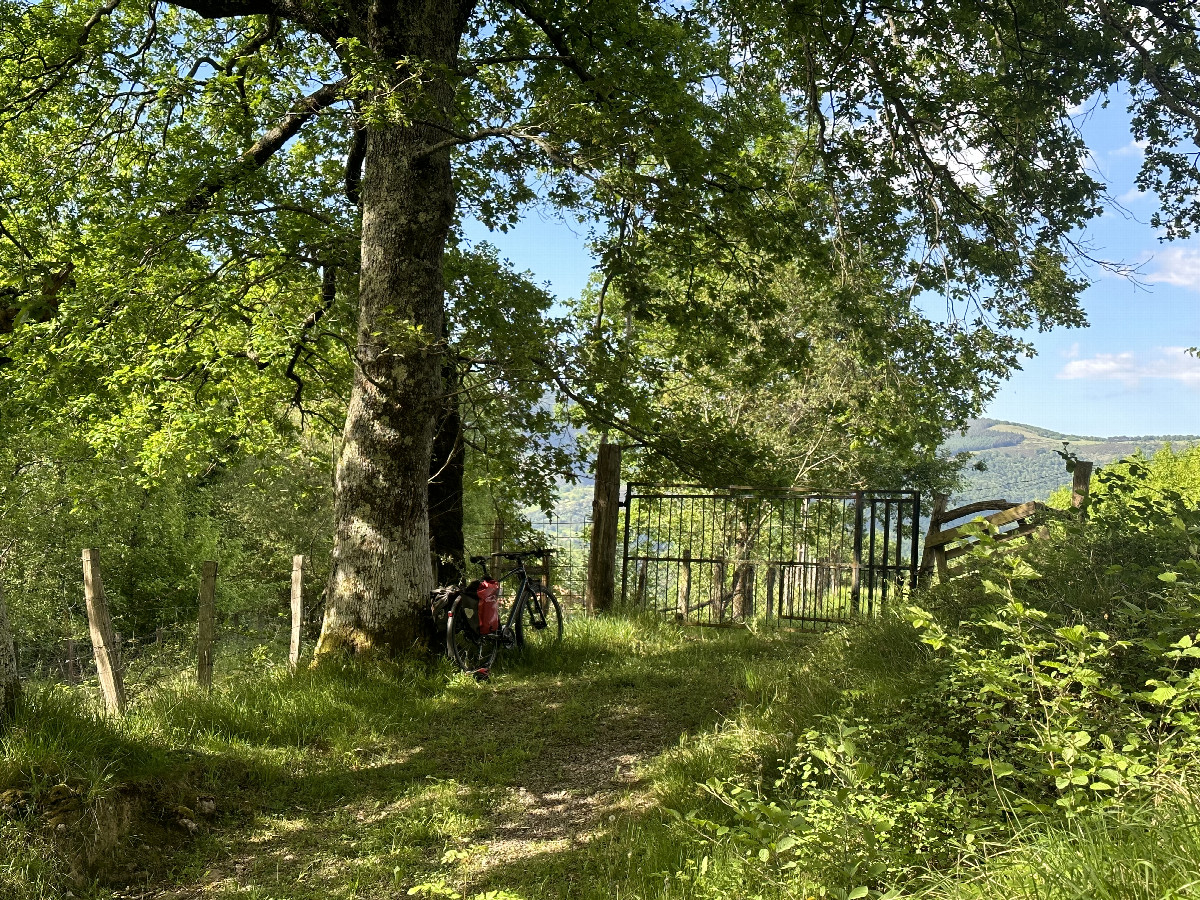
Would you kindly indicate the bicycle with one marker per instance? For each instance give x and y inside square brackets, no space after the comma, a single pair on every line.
[534,619]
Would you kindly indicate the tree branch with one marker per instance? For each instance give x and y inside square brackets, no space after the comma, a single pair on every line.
[61,67]
[472,66]
[558,40]
[16,243]
[1150,67]
[224,9]
[481,135]
[320,17]
[266,146]
[298,210]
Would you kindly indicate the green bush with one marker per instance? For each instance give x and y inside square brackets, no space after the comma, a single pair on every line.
[1055,689]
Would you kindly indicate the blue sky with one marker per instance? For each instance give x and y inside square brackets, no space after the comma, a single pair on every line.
[1127,373]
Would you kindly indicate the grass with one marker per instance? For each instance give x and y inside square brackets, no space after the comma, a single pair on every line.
[368,779]
[1150,852]
[557,778]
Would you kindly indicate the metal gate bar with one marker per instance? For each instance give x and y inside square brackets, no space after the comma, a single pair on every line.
[723,556]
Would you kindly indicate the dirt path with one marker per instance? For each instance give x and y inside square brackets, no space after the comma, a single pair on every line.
[520,784]
[578,791]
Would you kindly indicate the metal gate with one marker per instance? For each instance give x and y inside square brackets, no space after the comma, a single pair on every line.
[723,556]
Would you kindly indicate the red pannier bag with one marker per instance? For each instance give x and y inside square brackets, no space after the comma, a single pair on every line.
[488,592]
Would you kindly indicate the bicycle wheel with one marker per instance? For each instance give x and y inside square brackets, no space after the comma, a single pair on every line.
[466,648]
[540,623]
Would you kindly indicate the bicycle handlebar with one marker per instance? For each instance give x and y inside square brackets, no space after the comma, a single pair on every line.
[519,556]
[515,555]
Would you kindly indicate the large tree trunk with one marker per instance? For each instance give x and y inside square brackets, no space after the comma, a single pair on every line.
[446,486]
[10,684]
[382,570]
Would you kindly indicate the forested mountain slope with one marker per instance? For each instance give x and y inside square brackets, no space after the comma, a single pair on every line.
[1021,463]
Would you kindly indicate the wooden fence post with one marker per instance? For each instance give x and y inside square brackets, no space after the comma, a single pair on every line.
[297,611]
[606,507]
[546,570]
[104,642]
[10,681]
[639,598]
[207,624]
[930,556]
[497,538]
[771,590]
[717,592]
[73,676]
[685,586]
[1081,482]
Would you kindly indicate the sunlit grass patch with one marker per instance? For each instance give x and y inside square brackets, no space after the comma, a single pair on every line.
[1148,852]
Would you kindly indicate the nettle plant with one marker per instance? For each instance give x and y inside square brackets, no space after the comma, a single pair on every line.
[1073,705]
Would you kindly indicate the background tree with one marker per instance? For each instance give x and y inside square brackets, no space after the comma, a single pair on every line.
[840,385]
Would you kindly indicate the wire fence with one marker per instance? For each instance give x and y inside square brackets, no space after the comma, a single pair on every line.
[568,566]
[166,653]
[569,541]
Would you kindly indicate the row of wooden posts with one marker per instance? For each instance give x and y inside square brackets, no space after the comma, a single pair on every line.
[106,647]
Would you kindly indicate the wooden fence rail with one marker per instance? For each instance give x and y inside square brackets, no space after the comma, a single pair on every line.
[945,544]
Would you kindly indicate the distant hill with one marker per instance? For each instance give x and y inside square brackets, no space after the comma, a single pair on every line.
[574,502]
[1021,462]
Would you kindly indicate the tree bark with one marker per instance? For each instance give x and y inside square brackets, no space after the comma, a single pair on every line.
[10,683]
[446,486]
[606,509]
[382,572]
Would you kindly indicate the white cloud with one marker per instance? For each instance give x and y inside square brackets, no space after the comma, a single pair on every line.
[1103,367]
[1133,148]
[1176,364]
[1177,266]
[1171,364]
[1133,195]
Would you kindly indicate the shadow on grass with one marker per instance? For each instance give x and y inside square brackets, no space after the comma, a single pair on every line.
[363,773]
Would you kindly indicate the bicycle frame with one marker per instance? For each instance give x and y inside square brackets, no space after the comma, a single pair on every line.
[518,604]
[533,611]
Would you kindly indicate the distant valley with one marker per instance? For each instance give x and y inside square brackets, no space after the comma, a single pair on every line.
[1021,460]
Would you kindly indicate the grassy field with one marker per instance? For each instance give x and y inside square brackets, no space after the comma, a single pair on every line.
[639,759]
[369,780]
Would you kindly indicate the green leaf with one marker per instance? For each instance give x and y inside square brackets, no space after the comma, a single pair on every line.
[1163,693]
